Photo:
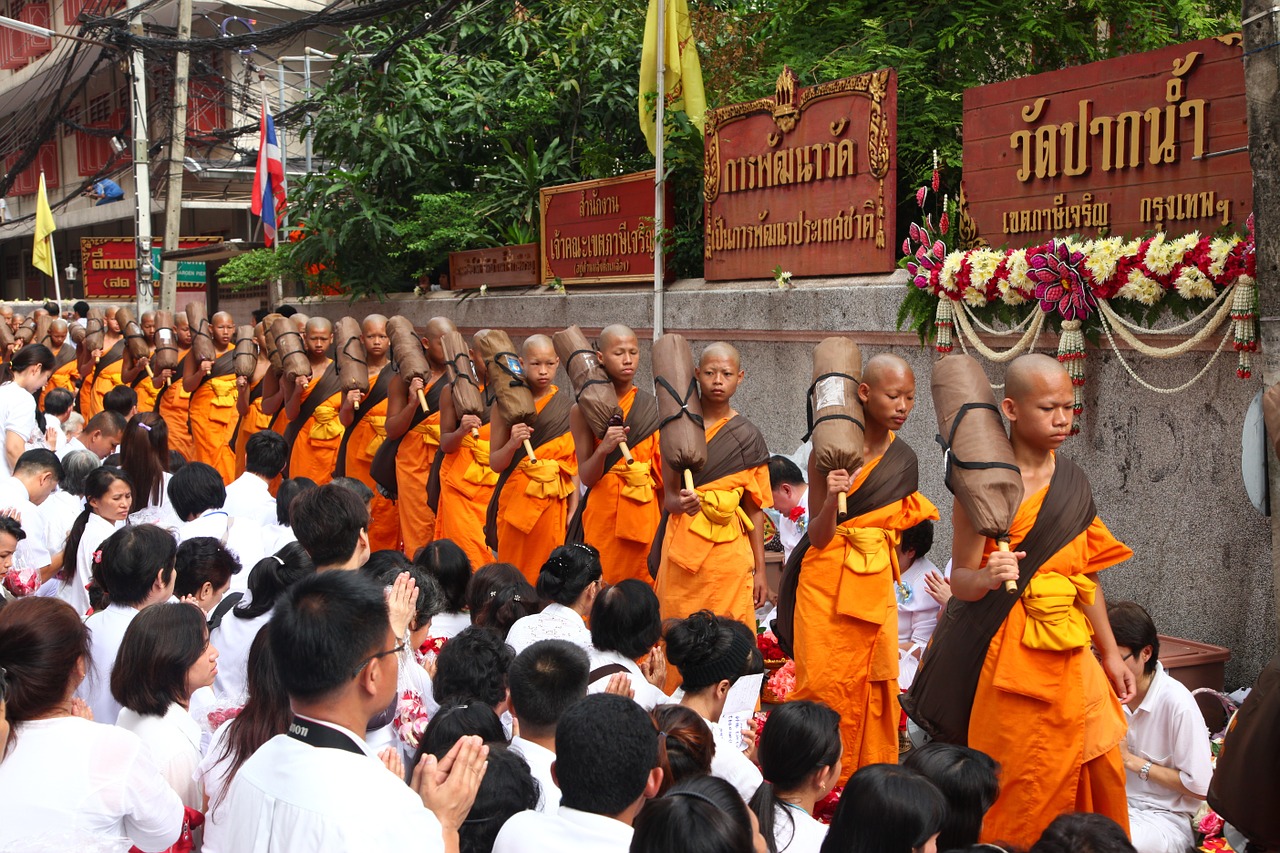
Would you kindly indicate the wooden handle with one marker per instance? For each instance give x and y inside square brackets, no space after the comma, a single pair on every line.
[528,451]
[1009,586]
[626,453]
[842,504]
[688,479]
[150,375]
[475,433]
[356,403]
[422,400]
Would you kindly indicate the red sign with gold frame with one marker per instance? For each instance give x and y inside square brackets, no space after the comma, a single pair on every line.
[503,266]
[111,266]
[599,232]
[805,180]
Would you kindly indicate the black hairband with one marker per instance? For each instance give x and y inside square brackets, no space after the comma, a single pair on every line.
[696,796]
[728,666]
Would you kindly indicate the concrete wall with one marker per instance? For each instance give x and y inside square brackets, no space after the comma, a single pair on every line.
[1165,469]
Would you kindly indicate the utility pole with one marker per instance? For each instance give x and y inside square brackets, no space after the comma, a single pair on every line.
[177,154]
[141,164]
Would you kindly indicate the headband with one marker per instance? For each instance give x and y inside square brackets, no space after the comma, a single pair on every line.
[727,666]
[696,796]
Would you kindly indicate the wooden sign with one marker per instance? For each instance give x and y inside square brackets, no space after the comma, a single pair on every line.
[805,180]
[1154,141]
[504,266]
[599,232]
[111,268]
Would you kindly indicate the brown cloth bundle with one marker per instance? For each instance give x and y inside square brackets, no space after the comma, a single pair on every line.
[245,361]
[411,358]
[74,330]
[42,329]
[166,355]
[201,333]
[6,335]
[980,468]
[681,431]
[1271,414]
[293,358]
[95,331]
[468,399]
[592,387]
[135,343]
[834,410]
[26,332]
[268,336]
[506,377]
[353,361]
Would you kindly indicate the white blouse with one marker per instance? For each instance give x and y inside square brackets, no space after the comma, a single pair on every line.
[556,622]
[96,531]
[797,831]
[232,639]
[647,695]
[159,512]
[731,764]
[449,625]
[174,743]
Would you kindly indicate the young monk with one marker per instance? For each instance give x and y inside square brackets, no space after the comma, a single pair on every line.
[846,624]
[147,386]
[173,401]
[250,394]
[620,512]
[532,501]
[712,554]
[366,429]
[102,372]
[462,470]
[66,372]
[1045,708]
[314,431]
[147,322]
[212,385]
[417,451]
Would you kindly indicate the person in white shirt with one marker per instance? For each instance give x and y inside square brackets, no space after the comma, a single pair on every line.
[970,782]
[445,561]
[320,786]
[108,495]
[921,596]
[64,506]
[606,767]
[472,667]
[799,752]
[35,477]
[791,500]
[703,813]
[101,435]
[1166,753]
[205,567]
[68,783]
[11,533]
[144,456]
[166,656]
[332,523]
[570,579]
[30,369]
[626,626]
[136,572]
[545,680]
[281,533]
[197,495]
[57,411]
[249,496]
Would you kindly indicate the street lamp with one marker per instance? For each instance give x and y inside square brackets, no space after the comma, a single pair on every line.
[70,272]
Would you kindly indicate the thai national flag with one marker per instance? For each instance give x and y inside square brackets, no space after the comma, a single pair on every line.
[268,181]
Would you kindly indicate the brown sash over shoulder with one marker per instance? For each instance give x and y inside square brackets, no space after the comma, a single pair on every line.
[941,698]
[221,367]
[437,464]
[1246,786]
[255,393]
[110,357]
[552,422]
[64,354]
[737,446]
[643,421]
[895,476]
[326,387]
[383,467]
[376,395]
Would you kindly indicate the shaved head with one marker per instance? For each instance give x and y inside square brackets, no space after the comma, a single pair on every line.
[438,326]
[319,325]
[537,345]
[721,349]
[180,319]
[1033,373]
[148,315]
[611,334]
[222,316]
[58,325]
[886,367]
[373,321]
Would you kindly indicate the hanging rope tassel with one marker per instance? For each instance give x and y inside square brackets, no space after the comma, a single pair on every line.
[944,321]
[1071,354]
[1244,321]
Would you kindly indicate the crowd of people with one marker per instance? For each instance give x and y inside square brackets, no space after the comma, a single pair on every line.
[265,612]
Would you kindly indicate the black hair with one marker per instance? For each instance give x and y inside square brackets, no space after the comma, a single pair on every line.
[260,314]
[625,619]
[201,560]
[286,310]
[11,526]
[885,809]
[328,522]
[195,488]
[41,641]
[387,565]
[700,815]
[266,453]
[38,461]
[52,308]
[472,667]
[271,576]
[81,308]
[132,558]
[1083,833]
[799,739]
[177,461]
[288,492]
[451,567]
[359,489]
[707,650]
[687,744]
[96,485]
[106,422]
[783,470]
[970,781]
[545,679]
[1134,629]
[508,788]
[323,628]
[58,402]
[265,714]
[31,355]
[453,722]
[144,454]
[160,645]
[122,400]
[568,572]
[918,538]
[604,725]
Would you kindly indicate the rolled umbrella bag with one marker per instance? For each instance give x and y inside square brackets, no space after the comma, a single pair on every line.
[681,431]
[1271,414]
[166,355]
[95,330]
[135,343]
[74,330]
[592,387]
[353,361]
[293,358]
[511,391]
[201,333]
[245,361]
[42,330]
[269,337]
[6,335]
[834,410]
[26,332]
[411,358]
[468,399]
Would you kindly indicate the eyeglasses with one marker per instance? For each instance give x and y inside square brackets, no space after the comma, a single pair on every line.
[397,650]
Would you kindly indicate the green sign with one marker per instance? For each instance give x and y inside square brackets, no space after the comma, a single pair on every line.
[189,272]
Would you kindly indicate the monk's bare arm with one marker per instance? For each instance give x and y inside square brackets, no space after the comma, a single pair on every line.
[453,430]
[970,579]
[822,505]
[1105,642]
[401,403]
[590,461]
[676,499]
[576,495]
[191,372]
[273,391]
[501,448]
[293,397]
[129,374]
[760,583]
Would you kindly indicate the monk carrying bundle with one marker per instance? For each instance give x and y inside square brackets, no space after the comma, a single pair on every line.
[462,470]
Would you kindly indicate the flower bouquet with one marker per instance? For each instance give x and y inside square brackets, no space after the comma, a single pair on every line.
[781,684]
[774,657]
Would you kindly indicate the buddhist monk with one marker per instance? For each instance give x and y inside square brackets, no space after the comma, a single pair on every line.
[250,394]
[1045,707]
[463,472]
[145,382]
[66,374]
[314,431]
[182,328]
[7,317]
[108,363]
[620,511]
[173,401]
[712,552]
[418,432]
[366,430]
[213,411]
[533,500]
[846,624]
[147,322]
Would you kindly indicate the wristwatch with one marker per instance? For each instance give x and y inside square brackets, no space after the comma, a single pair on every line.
[1145,771]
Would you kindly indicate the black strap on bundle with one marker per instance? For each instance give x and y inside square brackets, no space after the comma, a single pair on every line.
[808,405]
[588,354]
[949,457]
[504,364]
[683,401]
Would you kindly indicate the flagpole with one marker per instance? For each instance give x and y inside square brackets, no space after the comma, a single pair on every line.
[659,190]
[53,259]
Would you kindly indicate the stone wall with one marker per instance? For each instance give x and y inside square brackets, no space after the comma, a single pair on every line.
[1165,468]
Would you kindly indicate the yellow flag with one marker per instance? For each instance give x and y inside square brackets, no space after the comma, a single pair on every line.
[42,251]
[682,74]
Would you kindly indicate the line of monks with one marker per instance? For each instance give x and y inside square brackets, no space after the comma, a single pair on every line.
[1047,710]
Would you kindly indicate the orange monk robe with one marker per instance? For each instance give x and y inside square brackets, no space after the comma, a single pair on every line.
[1050,717]
[622,515]
[315,449]
[213,420]
[174,406]
[707,562]
[148,390]
[366,437]
[846,627]
[107,378]
[254,421]
[418,449]
[466,485]
[65,377]
[533,506]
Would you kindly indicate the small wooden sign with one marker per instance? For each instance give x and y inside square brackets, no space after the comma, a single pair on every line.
[504,266]
[1153,141]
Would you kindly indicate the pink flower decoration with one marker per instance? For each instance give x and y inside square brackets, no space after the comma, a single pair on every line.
[920,196]
[783,682]
[1210,825]
[1062,282]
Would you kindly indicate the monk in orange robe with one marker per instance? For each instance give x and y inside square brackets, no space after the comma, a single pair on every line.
[712,552]
[314,430]
[250,395]
[212,409]
[66,373]
[533,500]
[620,512]
[418,432]
[147,386]
[101,367]
[366,430]
[846,613]
[173,401]
[465,478]
[1045,707]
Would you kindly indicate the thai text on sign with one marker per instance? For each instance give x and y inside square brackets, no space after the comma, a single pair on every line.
[111,265]
[504,266]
